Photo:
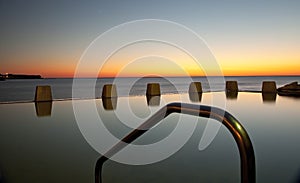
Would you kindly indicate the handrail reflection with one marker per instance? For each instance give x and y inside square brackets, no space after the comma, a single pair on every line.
[247,157]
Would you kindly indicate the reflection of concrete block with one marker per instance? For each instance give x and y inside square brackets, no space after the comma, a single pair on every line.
[195,96]
[269,87]
[43,94]
[232,86]
[231,94]
[153,89]
[110,103]
[153,100]
[109,91]
[269,97]
[195,87]
[43,108]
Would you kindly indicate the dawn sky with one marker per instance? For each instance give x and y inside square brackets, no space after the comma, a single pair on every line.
[246,37]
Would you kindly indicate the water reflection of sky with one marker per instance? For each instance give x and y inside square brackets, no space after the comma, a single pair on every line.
[50,148]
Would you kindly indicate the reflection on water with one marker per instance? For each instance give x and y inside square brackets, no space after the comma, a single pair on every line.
[195,96]
[52,149]
[298,178]
[247,156]
[153,100]
[231,95]
[110,103]
[43,108]
[269,97]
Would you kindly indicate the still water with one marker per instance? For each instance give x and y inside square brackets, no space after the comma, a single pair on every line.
[43,143]
[24,90]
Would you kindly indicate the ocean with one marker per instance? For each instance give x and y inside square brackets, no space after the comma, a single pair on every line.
[19,90]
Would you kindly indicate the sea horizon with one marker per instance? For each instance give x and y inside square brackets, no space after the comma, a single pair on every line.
[111,77]
[18,90]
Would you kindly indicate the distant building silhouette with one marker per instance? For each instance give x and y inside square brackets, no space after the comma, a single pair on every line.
[19,76]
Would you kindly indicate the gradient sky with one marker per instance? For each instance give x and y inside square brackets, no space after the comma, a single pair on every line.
[246,37]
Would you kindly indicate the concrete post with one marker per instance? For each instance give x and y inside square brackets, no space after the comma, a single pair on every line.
[153,89]
[232,86]
[269,87]
[195,87]
[43,94]
[109,91]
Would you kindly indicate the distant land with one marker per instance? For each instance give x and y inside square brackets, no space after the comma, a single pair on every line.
[19,76]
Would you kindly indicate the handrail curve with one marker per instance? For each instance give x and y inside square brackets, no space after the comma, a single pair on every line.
[247,156]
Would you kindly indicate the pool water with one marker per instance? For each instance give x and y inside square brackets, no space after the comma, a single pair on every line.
[43,142]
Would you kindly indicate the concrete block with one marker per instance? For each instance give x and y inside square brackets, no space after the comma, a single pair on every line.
[153,89]
[269,87]
[43,94]
[109,91]
[232,86]
[195,87]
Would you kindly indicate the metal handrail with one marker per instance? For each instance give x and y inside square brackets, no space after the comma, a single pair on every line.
[247,157]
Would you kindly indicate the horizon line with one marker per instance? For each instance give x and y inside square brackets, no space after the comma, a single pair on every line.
[111,77]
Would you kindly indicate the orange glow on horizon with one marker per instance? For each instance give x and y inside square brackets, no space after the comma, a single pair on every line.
[63,74]
[152,67]
[262,69]
[152,58]
[68,72]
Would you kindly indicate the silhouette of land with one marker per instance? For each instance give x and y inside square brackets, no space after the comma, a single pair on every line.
[19,76]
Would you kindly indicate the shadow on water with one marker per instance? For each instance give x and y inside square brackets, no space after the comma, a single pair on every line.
[43,109]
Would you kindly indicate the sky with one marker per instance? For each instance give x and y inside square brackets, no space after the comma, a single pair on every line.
[246,37]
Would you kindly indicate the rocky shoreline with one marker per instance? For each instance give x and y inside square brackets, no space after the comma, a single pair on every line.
[291,89]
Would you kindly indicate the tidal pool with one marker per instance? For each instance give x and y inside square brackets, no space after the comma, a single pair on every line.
[42,142]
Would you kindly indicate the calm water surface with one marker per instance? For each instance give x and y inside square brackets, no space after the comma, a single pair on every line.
[24,90]
[42,142]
